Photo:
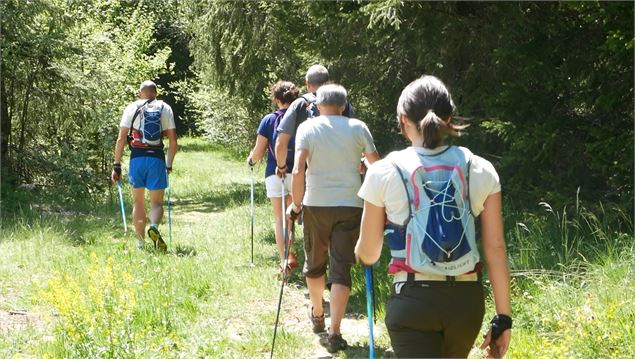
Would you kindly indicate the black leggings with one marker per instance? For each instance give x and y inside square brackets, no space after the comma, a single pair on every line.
[435,319]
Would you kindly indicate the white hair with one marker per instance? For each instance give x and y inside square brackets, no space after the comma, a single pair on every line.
[331,94]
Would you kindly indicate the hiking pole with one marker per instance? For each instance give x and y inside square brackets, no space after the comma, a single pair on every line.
[372,286]
[370,309]
[167,176]
[123,210]
[252,215]
[284,268]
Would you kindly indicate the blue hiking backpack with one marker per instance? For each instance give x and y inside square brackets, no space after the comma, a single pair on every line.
[150,130]
[439,235]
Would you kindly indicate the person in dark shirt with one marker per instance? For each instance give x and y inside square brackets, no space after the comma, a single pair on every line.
[300,110]
[283,94]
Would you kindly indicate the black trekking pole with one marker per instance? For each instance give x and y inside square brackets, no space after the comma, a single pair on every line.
[284,268]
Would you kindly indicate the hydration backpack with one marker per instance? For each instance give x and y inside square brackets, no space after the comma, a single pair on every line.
[150,130]
[439,235]
[311,107]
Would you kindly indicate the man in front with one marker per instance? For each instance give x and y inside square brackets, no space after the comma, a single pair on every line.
[143,125]
[331,145]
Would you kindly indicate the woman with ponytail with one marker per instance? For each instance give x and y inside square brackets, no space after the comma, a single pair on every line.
[424,199]
[283,93]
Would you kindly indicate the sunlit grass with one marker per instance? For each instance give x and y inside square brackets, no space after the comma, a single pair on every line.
[90,293]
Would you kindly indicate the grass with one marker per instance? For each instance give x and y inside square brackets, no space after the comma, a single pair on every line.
[78,287]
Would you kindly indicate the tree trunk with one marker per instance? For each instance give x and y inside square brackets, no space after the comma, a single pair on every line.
[5,126]
[25,111]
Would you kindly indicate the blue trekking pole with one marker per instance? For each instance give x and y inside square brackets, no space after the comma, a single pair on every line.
[168,190]
[123,210]
[370,309]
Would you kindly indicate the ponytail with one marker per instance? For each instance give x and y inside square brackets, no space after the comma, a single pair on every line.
[433,129]
[289,95]
[428,99]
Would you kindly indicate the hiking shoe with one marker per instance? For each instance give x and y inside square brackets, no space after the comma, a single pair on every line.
[159,244]
[333,342]
[317,322]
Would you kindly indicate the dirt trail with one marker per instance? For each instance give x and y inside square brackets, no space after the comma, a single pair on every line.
[294,318]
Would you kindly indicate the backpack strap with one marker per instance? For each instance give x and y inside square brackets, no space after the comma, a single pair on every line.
[467,183]
[279,114]
[302,115]
[404,180]
[136,114]
[468,155]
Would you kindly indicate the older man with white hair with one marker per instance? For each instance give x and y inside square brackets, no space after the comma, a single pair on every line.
[331,145]
[143,125]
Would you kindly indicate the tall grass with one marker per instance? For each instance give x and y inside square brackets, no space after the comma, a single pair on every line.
[584,312]
[551,239]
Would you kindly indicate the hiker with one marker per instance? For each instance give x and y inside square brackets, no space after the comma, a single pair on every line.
[143,125]
[424,199]
[331,145]
[283,93]
[299,111]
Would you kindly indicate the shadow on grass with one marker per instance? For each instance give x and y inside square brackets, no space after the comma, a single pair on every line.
[75,226]
[232,195]
[185,251]
[362,351]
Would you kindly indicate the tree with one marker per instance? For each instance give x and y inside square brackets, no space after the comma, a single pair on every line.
[546,87]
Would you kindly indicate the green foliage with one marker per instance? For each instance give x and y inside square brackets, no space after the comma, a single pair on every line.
[547,87]
[69,68]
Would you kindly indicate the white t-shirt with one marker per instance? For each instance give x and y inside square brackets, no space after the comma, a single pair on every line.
[167,116]
[383,186]
[335,145]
